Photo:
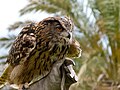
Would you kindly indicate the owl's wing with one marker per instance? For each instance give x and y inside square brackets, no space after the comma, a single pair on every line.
[22,46]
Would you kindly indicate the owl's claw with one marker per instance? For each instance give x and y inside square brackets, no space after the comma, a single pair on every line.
[23,86]
[69,69]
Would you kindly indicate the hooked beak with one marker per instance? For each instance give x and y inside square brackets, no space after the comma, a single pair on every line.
[68,36]
[70,33]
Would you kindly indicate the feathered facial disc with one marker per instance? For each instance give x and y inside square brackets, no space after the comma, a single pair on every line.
[66,22]
[60,27]
[63,25]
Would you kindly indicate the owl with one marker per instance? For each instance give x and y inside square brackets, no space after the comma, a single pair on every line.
[37,47]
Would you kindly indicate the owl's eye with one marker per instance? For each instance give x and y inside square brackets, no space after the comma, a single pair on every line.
[57,25]
[59,28]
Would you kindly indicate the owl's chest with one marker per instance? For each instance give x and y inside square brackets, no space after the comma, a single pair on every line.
[43,58]
[40,61]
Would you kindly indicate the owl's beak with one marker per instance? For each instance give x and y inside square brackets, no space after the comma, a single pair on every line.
[68,36]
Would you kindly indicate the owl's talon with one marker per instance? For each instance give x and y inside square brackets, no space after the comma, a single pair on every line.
[26,85]
[23,86]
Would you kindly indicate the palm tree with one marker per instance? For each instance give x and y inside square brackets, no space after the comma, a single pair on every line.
[98,30]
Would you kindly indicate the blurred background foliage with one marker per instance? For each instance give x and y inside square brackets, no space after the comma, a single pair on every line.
[97,28]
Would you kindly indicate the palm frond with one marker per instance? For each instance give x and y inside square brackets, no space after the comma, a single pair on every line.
[50,6]
[6,42]
[19,24]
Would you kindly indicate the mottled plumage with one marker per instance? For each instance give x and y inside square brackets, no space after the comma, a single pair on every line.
[37,47]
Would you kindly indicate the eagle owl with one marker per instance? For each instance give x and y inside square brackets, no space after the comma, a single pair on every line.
[37,47]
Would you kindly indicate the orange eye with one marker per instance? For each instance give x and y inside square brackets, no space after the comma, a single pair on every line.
[59,28]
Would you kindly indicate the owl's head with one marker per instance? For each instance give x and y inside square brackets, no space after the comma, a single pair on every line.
[65,22]
[62,27]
